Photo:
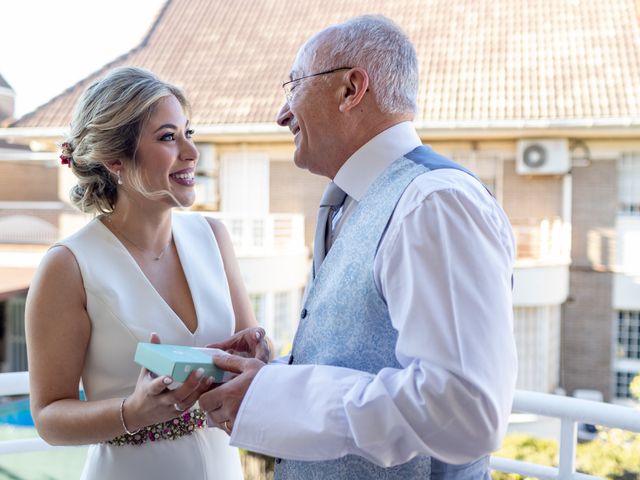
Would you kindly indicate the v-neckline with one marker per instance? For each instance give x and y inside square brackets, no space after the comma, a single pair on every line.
[185,272]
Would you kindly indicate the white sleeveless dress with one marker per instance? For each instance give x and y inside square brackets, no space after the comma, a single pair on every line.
[124,309]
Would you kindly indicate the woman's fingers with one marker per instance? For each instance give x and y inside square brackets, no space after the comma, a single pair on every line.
[251,341]
[191,385]
[159,385]
[188,402]
[263,352]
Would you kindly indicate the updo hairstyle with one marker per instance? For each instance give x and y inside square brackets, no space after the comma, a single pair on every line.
[105,127]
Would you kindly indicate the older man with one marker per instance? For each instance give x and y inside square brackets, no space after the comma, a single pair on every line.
[404,364]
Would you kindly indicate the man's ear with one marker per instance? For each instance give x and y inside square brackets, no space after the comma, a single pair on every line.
[356,84]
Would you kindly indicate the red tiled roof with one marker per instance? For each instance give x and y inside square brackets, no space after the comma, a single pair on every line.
[480,60]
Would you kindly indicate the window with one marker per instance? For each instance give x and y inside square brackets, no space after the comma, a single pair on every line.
[629,184]
[244,183]
[285,319]
[623,380]
[277,313]
[628,335]
[259,307]
[236,230]
[627,364]
[258,233]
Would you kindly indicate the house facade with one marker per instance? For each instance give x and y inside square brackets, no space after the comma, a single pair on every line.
[540,99]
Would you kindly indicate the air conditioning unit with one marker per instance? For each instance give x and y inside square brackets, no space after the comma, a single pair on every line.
[543,157]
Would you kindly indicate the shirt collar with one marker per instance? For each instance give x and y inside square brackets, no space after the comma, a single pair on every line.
[368,162]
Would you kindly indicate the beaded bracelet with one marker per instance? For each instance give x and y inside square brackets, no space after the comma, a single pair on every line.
[124,425]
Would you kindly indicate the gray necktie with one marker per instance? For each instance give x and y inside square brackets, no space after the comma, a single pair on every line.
[332,199]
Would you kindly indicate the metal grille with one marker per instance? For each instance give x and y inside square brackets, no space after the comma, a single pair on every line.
[15,340]
[537,332]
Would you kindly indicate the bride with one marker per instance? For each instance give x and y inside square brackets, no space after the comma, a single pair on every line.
[137,272]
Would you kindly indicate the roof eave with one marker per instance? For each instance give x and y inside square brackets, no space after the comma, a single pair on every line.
[545,128]
[450,130]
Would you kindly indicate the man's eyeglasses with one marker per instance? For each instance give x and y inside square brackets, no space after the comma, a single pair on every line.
[288,86]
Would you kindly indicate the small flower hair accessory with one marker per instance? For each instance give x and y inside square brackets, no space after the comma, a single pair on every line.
[66,156]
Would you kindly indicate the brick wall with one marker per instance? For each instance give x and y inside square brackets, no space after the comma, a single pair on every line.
[586,333]
[595,203]
[588,315]
[27,181]
[527,197]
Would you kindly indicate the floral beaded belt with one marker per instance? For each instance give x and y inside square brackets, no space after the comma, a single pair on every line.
[185,424]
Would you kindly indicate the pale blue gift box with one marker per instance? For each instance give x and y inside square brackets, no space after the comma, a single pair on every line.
[178,361]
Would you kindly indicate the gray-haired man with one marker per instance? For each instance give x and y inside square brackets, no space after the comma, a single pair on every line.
[404,362]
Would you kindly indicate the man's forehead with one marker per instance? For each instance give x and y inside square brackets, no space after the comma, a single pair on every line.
[313,48]
[301,62]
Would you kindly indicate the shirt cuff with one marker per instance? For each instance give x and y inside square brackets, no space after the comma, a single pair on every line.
[295,412]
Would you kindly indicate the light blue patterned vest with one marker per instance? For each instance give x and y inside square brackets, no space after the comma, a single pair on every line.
[345,322]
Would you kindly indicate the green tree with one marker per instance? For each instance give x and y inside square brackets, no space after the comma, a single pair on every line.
[614,454]
[634,387]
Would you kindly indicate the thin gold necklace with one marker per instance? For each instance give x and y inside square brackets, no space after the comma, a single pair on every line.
[134,244]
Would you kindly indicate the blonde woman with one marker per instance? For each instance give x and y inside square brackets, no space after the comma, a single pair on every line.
[137,272]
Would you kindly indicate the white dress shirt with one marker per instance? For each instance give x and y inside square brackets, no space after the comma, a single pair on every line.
[444,268]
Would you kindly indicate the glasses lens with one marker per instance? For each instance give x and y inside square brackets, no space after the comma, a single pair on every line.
[287,87]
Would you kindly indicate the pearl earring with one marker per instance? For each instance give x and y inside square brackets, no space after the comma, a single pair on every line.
[119,179]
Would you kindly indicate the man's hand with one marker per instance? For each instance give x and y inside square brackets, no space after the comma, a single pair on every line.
[251,342]
[222,403]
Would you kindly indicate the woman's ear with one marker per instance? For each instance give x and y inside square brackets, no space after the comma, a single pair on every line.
[114,166]
[356,84]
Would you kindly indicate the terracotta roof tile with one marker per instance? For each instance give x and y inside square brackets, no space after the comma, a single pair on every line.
[480,60]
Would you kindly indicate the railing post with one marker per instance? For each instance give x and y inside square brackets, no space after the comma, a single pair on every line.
[568,440]
[268,232]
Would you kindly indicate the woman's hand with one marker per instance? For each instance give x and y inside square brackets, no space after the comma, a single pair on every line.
[250,342]
[153,402]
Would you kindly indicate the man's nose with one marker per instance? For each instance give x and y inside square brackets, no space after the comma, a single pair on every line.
[284,115]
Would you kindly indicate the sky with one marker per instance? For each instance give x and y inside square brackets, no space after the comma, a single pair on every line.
[48,45]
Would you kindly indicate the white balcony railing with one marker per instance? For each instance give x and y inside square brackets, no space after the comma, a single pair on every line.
[46,222]
[257,234]
[547,240]
[569,410]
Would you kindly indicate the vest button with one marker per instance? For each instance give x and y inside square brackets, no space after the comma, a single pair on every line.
[303,313]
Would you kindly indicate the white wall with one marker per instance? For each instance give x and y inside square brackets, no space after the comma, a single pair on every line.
[626,283]
[538,285]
